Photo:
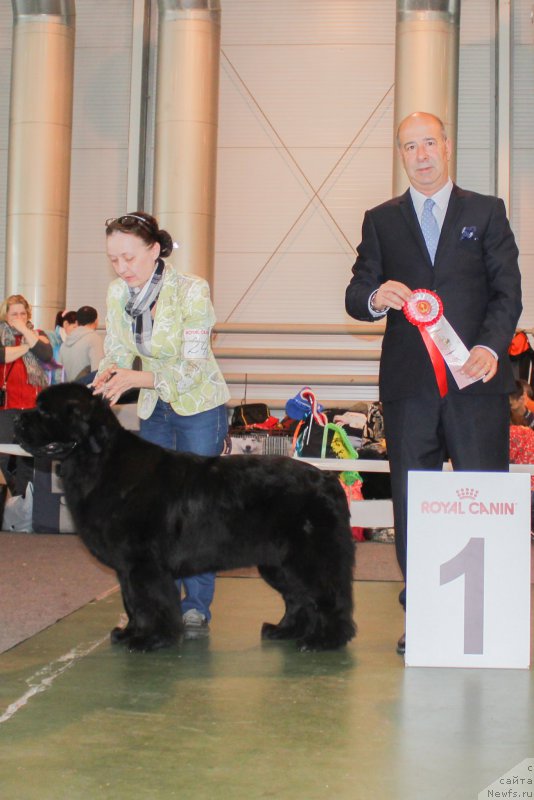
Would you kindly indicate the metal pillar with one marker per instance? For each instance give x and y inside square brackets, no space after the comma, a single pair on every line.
[426,68]
[40,133]
[186,128]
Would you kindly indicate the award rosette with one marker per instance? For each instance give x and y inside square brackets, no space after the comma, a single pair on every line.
[424,309]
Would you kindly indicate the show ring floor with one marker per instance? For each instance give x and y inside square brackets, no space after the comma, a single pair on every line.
[232,718]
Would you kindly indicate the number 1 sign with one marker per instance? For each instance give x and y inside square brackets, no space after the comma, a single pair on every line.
[468,598]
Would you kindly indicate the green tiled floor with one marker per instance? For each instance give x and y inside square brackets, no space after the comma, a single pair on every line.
[229,717]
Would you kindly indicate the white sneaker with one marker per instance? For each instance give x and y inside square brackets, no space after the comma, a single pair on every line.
[195,624]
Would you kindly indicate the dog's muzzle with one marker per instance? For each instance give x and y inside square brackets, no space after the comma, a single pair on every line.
[54,449]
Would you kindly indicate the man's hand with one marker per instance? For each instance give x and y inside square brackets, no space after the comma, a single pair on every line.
[480,364]
[391,294]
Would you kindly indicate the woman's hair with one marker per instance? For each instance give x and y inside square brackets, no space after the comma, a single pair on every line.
[517,393]
[13,300]
[146,227]
[517,415]
[527,388]
[64,316]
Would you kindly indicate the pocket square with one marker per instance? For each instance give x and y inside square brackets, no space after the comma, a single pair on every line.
[469,233]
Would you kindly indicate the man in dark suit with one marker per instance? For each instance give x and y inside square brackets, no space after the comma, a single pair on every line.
[474,271]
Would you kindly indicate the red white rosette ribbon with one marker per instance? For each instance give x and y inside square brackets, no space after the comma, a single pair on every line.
[424,309]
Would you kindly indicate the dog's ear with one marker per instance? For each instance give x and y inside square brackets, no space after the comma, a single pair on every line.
[82,425]
[97,424]
[94,444]
[78,419]
[84,417]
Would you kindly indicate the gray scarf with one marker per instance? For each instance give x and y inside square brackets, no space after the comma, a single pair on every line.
[140,305]
[36,374]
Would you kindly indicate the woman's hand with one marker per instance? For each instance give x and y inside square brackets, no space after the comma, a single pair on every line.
[115,381]
[30,336]
[102,379]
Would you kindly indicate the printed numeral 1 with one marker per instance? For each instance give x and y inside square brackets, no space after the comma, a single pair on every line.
[470,563]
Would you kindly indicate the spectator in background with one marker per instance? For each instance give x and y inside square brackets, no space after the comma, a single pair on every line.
[70,321]
[65,322]
[83,349]
[528,394]
[518,406]
[23,350]
[23,353]
[521,440]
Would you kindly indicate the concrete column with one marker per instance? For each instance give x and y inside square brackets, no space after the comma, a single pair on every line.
[40,132]
[426,68]
[186,128]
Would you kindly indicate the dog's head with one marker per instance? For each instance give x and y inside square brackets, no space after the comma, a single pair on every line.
[67,417]
[249,447]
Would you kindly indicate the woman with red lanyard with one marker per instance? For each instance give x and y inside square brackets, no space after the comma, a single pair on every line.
[22,351]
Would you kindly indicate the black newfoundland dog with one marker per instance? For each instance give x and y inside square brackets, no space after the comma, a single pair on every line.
[155,515]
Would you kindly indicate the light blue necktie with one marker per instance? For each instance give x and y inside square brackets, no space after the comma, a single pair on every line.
[430,228]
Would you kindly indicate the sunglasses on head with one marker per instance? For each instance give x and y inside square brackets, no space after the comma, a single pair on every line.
[128,220]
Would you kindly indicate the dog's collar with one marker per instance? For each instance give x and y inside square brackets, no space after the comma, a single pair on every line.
[55,450]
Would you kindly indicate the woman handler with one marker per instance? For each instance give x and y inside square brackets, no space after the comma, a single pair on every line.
[164,317]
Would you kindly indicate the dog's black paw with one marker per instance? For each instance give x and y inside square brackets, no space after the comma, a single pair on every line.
[276,632]
[121,635]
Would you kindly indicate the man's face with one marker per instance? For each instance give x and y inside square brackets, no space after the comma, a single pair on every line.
[425,153]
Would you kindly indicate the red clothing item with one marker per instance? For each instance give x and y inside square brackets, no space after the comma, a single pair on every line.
[19,393]
[522,447]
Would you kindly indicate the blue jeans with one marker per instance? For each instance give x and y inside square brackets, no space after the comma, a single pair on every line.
[204,435]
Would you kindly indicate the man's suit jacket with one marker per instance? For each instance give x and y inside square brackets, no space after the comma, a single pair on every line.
[475,274]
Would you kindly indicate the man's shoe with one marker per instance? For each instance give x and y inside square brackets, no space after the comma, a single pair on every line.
[401,645]
[195,624]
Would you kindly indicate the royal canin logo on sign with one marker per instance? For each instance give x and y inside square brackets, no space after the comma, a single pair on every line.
[467,502]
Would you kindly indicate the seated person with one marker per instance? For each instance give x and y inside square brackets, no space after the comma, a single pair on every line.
[521,443]
[528,396]
[518,406]
[83,349]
